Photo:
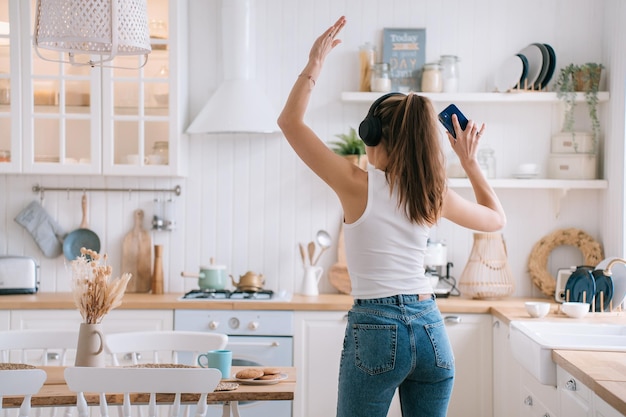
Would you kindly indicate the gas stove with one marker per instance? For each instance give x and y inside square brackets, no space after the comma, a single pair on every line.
[228,295]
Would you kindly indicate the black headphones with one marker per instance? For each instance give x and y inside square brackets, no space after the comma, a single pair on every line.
[370,129]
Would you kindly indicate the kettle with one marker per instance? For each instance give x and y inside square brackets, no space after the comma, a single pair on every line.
[250,281]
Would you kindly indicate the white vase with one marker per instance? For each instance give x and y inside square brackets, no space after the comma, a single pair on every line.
[90,349]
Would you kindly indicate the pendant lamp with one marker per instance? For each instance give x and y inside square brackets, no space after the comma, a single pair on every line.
[98,29]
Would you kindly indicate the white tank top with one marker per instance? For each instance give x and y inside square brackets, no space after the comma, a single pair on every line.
[384,249]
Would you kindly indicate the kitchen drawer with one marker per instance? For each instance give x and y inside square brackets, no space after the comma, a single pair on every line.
[538,399]
[572,387]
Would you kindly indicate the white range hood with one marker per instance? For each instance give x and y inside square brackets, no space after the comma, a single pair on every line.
[239,105]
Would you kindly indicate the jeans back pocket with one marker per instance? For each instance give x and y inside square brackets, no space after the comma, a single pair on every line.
[375,347]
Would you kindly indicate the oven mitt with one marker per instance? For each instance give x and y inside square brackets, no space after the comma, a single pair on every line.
[45,230]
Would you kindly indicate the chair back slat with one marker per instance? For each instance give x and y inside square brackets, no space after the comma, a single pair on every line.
[141,380]
[24,382]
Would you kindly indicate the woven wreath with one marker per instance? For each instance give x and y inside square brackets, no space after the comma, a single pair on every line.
[538,260]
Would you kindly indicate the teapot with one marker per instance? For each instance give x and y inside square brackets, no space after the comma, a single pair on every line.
[250,281]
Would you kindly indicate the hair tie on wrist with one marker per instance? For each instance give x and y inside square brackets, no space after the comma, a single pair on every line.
[309,77]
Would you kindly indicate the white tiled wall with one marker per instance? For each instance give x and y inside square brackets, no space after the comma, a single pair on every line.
[249,200]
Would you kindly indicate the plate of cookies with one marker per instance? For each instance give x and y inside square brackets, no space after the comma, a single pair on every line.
[260,376]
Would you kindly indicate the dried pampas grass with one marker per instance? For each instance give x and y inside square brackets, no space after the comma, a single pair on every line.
[95,293]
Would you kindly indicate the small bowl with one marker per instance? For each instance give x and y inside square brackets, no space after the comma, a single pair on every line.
[537,309]
[575,310]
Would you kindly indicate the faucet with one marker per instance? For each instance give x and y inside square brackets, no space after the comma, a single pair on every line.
[607,271]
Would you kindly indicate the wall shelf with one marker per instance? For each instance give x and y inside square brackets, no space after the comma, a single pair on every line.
[548,184]
[513,97]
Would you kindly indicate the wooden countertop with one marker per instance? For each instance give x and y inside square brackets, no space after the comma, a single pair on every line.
[322,302]
[603,372]
[608,380]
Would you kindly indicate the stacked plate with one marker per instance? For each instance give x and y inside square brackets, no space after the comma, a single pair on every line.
[530,69]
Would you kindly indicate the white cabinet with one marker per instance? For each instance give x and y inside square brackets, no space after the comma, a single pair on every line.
[574,397]
[64,119]
[602,409]
[115,321]
[536,399]
[318,340]
[506,373]
[470,336]
[5,320]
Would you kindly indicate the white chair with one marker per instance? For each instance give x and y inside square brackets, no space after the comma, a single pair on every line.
[24,382]
[161,346]
[38,346]
[151,381]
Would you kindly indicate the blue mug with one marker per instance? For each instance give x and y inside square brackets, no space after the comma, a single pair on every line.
[219,359]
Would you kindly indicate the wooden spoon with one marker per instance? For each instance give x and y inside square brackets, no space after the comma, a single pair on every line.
[311,249]
[302,255]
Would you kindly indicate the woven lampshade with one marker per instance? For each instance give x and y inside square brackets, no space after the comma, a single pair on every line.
[107,28]
[487,273]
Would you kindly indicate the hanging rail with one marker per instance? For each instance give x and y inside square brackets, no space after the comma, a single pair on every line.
[176,190]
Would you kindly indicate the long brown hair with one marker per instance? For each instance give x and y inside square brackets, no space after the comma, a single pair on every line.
[415,159]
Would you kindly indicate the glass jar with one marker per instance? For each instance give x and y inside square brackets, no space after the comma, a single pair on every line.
[5,91]
[431,78]
[487,162]
[5,155]
[367,57]
[449,73]
[161,149]
[381,81]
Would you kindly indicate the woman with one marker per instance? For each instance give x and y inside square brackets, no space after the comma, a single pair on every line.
[395,336]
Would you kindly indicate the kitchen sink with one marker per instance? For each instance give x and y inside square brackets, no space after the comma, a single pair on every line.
[532,343]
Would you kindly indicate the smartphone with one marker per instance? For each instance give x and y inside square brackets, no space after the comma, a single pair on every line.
[445,117]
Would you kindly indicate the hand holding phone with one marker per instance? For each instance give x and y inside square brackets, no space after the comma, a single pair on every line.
[445,117]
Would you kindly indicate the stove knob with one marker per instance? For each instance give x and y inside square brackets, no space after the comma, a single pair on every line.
[253,325]
[213,325]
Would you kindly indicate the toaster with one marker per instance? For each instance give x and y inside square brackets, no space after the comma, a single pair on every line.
[562,276]
[18,275]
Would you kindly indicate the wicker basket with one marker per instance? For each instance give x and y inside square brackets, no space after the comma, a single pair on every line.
[487,273]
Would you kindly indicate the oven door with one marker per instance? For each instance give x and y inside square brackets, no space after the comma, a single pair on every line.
[272,351]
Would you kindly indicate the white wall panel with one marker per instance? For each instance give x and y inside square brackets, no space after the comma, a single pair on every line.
[249,200]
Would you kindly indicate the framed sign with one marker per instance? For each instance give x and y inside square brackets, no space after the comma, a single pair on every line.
[405,52]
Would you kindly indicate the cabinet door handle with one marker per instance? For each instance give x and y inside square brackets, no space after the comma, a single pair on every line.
[496,325]
[546,415]
[528,401]
[570,385]
[452,319]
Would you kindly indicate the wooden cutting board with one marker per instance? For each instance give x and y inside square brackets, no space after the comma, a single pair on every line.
[137,256]
[338,273]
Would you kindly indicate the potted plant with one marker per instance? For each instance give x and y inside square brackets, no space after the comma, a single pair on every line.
[350,146]
[584,78]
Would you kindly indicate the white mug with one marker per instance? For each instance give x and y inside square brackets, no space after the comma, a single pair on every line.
[312,275]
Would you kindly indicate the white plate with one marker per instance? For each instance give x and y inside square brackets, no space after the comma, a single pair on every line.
[526,176]
[535,63]
[261,381]
[540,83]
[509,74]
[619,280]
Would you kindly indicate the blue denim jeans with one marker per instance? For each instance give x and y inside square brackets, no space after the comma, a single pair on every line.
[395,342]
